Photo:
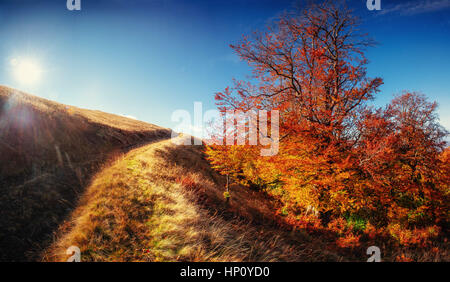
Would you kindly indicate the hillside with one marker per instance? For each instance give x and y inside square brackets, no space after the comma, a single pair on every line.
[121,190]
[49,153]
[163,202]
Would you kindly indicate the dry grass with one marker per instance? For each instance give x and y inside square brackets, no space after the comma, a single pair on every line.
[162,203]
[159,202]
[49,152]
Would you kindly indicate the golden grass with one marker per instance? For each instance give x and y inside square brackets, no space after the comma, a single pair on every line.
[137,209]
[51,108]
[159,202]
[48,153]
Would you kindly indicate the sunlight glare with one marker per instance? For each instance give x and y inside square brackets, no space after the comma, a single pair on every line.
[26,71]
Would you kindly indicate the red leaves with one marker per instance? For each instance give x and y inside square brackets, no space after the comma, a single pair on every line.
[336,155]
[218,96]
[188,182]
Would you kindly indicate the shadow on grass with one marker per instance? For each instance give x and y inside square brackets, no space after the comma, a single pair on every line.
[251,207]
[259,210]
[47,159]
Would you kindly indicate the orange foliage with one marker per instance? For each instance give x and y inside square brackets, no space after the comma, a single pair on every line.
[404,258]
[187,182]
[385,168]
[420,237]
[348,241]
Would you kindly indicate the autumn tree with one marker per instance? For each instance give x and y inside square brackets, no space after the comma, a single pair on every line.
[400,152]
[311,67]
[337,155]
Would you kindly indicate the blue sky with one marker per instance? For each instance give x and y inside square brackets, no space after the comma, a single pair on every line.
[147,59]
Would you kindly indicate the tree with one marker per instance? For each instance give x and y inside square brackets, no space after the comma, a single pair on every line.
[400,153]
[336,154]
[311,67]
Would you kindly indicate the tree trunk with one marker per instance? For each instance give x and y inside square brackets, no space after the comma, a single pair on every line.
[228,189]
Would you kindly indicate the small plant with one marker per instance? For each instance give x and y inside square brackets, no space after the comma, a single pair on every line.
[188,182]
[356,222]
[226,195]
[403,258]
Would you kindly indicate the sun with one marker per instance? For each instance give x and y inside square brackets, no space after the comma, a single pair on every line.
[26,71]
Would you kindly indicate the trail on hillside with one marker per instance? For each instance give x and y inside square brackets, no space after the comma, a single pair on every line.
[50,152]
[163,202]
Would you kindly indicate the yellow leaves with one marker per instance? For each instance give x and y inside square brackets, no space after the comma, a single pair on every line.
[343,176]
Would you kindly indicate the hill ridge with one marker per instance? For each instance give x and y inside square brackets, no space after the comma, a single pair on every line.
[49,153]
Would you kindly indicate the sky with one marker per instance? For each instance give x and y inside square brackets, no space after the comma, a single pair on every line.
[147,58]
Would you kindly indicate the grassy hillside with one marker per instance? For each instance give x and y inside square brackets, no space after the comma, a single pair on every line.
[121,190]
[162,202]
[48,152]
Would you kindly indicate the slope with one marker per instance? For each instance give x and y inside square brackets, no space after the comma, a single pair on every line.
[162,202]
[48,152]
